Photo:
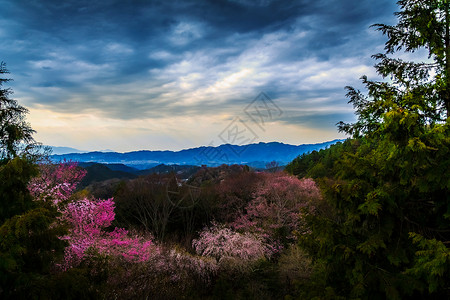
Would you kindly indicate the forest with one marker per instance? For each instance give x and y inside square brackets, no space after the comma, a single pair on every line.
[368,218]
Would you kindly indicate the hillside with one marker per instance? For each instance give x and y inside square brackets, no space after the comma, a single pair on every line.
[97,172]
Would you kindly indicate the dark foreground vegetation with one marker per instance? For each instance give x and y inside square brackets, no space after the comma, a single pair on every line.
[368,218]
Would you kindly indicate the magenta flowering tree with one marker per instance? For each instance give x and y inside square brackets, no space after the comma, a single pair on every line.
[88,219]
[56,182]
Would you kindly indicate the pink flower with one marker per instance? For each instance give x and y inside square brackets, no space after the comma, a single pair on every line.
[277,203]
[56,182]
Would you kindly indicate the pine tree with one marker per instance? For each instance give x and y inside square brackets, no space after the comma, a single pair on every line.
[422,88]
[16,165]
[15,133]
[29,240]
[384,230]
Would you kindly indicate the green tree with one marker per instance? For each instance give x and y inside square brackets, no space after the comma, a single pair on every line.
[384,228]
[15,133]
[28,236]
[14,195]
[422,88]
[16,155]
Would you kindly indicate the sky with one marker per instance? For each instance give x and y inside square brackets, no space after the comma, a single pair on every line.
[169,75]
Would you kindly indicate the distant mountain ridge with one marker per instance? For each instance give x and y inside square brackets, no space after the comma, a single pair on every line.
[64,150]
[256,155]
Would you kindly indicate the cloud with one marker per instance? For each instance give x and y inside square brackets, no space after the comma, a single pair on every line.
[118,49]
[185,32]
[203,81]
[168,61]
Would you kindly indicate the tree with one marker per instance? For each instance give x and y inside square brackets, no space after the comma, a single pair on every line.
[56,182]
[16,156]
[15,133]
[87,220]
[223,243]
[151,201]
[422,88]
[384,228]
[16,167]
[234,194]
[14,195]
[28,238]
[275,210]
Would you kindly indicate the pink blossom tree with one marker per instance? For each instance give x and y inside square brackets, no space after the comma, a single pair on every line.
[56,182]
[277,204]
[86,218]
[221,243]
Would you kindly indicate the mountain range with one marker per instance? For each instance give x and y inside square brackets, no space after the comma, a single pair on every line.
[255,155]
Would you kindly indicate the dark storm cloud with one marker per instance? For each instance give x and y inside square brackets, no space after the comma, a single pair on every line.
[152,59]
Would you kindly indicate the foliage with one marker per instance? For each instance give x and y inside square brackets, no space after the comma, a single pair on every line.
[207,176]
[28,248]
[223,243]
[275,207]
[161,204]
[15,133]
[432,262]
[420,90]
[168,273]
[87,219]
[383,229]
[15,197]
[102,261]
[234,193]
[56,182]
[28,239]
[16,159]
[294,269]
[158,271]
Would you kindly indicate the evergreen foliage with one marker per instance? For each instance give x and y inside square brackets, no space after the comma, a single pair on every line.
[384,229]
[29,241]
[15,132]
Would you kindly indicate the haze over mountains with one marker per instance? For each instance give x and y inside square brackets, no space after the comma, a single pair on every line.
[65,150]
[255,155]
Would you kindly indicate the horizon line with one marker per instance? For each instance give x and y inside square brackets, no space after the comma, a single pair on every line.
[203,146]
